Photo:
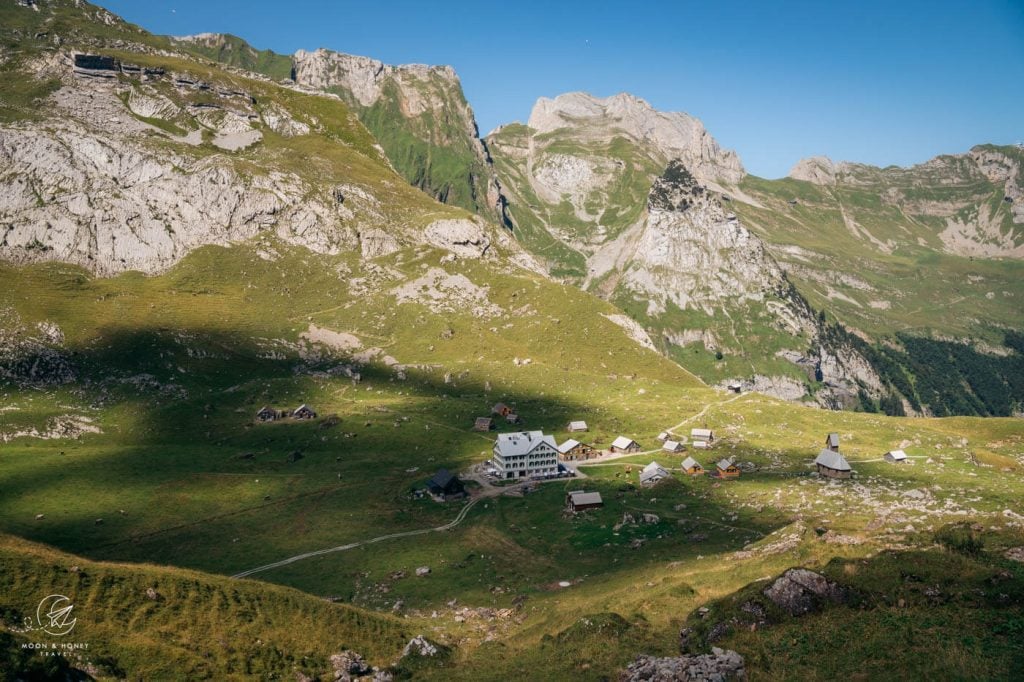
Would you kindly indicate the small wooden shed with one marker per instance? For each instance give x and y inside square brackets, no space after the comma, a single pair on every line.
[501,409]
[727,469]
[833,465]
[624,445]
[304,412]
[832,442]
[483,424]
[267,414]
[577,500]
[896,457]
[576,426]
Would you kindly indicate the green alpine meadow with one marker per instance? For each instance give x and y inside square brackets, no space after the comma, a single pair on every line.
[304,377]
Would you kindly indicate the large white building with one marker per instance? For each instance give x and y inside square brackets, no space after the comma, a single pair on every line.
[525,454]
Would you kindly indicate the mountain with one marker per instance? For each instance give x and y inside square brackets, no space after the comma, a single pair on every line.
[418,113]
[704,278]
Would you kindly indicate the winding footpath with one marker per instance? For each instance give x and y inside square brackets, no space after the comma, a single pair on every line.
[341,548]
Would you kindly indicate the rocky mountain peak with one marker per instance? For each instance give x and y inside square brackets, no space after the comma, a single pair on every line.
[819,170]
[671,134]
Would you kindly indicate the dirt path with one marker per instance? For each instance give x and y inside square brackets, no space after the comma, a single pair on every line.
[487,492]
[704,412]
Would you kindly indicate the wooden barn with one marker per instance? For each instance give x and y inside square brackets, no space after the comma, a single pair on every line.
[624,445]
[727,469]
[578,500]
[304,411]
[831,464]
[268,414]
[692,467]
[483,424]
[672,446]
[577,426]
[572,451]
[444,486]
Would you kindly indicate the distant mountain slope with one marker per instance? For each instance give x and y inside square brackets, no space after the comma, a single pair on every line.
[418,113]
[851,239]
[130,158]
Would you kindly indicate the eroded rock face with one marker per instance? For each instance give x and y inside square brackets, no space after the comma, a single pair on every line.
[463,237]
[800,591]
[718,666]
[676,135]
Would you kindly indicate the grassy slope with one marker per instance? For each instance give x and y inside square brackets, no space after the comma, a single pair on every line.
[174,464]
[201,626]
[233,51]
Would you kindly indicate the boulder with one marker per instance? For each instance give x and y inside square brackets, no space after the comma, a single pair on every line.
[420,646]
[348,665]
[799,591]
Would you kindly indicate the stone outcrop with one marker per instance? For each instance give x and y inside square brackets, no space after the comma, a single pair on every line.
[799,591]
[718,666]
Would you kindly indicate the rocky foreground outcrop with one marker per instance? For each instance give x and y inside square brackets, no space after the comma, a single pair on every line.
[718,666]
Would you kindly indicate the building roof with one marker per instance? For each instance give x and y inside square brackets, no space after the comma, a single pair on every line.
[672,446]
[832,440]
[653,471]
[484,420]
[578,497]
[663,435]
[568,445]
[832,460]
[701,433]
[442,478]
[578,426]
[724,464]
[304,406]
[499,408]
[522,442]
[690,463]
[622,442]
[265,408]
[897,454]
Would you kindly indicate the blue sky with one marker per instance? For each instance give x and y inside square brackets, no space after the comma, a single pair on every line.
[870,81]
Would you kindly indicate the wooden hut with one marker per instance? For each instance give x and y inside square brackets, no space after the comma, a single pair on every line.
[304,412]
[624,445]
[833,465]
[692,467]
[577,500]
[727,469]
[572,450]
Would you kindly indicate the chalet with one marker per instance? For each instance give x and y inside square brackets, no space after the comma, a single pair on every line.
[268,414]
[832,442]
[501,409]
[652,474]
[573,450]
[896,456]
[444,486]
[304,412]
[577,426]
[624,445]
[727,469]
[577,500]
[692,467]
[672,446]
[513,418]
[663,436]
[483,424]
[833,465]
[525,454]
[702,436]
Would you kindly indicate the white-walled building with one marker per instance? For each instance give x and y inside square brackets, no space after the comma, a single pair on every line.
[525,454]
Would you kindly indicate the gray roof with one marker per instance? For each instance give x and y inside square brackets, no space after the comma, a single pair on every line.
[304,406]
[724,463]
[522,442]
[672,446]
[653,471]
[578,426]
[833,440]
[623,442]
[690,462]
[701,433]
[568,445]
[832,460]
[897,454]
[578,497]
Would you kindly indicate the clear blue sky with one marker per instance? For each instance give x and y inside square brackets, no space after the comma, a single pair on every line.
[870,81]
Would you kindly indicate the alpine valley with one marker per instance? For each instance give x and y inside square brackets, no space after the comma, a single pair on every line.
[255,307]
